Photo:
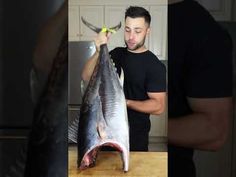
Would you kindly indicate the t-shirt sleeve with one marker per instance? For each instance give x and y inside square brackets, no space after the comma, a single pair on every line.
[156,77]
[116,58]
[209,74]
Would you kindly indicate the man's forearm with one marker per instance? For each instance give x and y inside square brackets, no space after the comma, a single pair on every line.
[196,131]
[206,128]
[149,106]
[89,66]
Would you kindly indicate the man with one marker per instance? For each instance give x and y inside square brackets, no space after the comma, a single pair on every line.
[199,85]
[144,82]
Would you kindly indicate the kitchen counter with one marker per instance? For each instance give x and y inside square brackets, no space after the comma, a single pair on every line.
[109,164]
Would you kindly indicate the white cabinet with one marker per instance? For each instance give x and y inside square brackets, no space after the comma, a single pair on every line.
[94,15]
[74,23]
[158,36]
[109,13]
[114,15]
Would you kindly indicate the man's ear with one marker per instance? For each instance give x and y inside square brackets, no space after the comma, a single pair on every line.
[148,30]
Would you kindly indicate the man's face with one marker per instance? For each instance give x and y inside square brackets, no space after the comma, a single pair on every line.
[136,30]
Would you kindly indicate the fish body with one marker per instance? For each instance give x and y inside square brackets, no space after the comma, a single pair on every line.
[103,115]
[47,146]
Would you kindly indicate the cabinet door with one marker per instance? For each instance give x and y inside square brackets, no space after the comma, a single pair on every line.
[94,15]
[74,23]
[114,15]
[158,36]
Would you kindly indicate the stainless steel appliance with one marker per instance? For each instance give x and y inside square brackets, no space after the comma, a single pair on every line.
[79,52]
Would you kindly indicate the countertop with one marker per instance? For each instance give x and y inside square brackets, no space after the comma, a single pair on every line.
[109,164]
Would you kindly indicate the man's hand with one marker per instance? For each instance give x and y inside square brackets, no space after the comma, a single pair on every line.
[102,38]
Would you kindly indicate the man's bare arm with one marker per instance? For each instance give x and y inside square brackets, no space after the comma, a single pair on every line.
[89,66]
[102,38]
[154,105]
[206,128]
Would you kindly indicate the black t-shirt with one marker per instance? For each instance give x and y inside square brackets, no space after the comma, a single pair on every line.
[199,66]
[143,73]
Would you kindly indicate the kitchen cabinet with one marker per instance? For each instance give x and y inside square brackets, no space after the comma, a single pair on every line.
[109,13]
[158,31]
[114,15]
[74,23]
[94,15]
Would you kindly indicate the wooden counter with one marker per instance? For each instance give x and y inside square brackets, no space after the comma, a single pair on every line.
[109,164]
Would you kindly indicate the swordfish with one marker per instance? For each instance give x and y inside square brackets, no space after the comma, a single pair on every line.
[103,115]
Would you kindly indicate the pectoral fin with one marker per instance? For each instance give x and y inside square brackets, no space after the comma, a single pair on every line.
[121,78]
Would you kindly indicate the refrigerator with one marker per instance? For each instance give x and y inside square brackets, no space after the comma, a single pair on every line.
[79,52]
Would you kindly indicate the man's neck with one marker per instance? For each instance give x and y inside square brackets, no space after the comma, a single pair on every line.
[174,1]
[140,50]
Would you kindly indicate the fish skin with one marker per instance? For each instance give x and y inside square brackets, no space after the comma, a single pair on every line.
[103,115]
[47,146]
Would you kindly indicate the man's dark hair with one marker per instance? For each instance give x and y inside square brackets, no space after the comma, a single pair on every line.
[135,11]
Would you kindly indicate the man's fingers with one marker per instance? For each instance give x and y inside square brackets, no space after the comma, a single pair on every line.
[102,38]
[108,35]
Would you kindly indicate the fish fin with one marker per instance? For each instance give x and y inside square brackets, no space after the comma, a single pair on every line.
[121,78]
[101,131]
[114,28]
[92,27]
[104,29]
[83,86]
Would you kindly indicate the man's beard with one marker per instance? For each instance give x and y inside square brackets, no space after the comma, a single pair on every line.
[137,46]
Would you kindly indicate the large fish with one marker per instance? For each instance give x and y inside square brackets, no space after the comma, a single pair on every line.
[47,147]
[103,114]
